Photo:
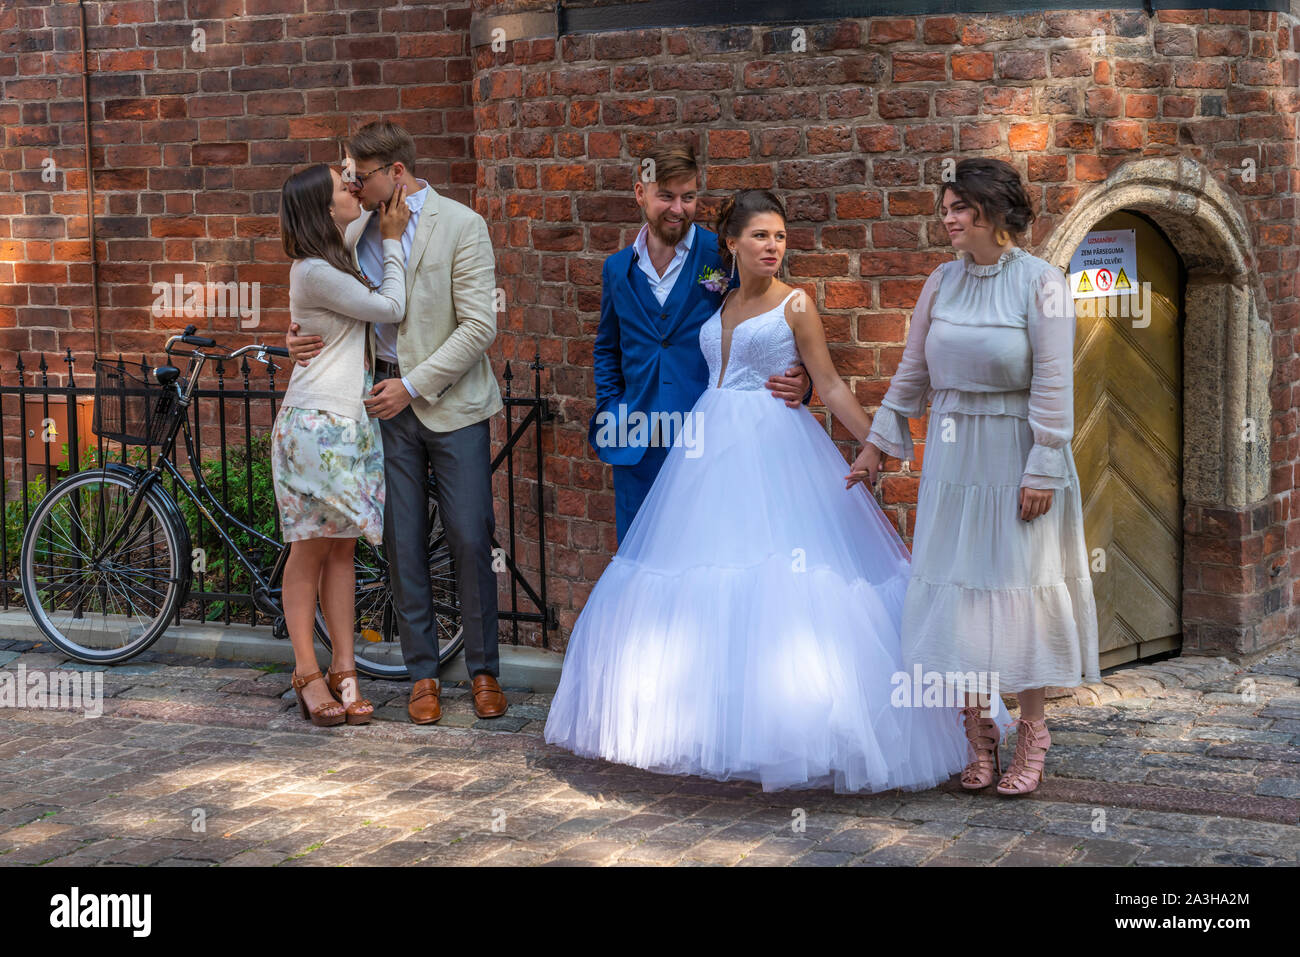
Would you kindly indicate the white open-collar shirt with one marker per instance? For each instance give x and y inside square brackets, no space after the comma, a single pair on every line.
[370,255]
[661,286]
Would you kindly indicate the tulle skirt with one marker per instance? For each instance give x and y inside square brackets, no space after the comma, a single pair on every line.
[748,626]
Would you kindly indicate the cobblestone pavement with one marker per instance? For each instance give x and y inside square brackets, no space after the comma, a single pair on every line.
[1187,761]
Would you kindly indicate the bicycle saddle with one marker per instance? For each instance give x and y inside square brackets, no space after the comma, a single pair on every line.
[166,375]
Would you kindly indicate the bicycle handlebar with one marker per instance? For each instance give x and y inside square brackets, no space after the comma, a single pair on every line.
[259,347]
[260,350]
[190,339]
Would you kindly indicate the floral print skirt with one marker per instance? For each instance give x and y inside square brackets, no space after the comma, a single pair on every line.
[328,472]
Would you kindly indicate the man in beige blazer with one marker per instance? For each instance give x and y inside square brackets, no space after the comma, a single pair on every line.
[434,394]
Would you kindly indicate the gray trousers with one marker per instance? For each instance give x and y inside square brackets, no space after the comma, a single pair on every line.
[462,467]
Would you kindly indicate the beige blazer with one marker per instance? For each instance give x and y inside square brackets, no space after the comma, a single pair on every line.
[450,320]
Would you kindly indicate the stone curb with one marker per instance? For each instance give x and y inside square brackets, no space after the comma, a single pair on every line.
[1161,799]
[521,666]
[539,670]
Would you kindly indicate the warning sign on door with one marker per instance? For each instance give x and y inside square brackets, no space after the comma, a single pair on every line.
[1105,264]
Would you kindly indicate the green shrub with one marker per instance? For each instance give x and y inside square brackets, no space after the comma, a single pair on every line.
[12,494]
[258,513]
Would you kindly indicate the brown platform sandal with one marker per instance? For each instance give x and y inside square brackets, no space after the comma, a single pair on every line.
[324,715]
[359,711]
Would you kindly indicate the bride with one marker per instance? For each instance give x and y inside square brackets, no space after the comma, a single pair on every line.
[747,627]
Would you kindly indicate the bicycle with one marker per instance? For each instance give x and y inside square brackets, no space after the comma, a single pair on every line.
[106,559]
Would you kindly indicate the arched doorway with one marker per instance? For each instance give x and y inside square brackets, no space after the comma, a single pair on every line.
[1128,447]
[1226,366]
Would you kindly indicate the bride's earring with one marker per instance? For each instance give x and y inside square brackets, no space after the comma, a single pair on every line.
[733,264]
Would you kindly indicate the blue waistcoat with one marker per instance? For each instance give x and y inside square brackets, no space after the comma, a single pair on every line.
[647,357]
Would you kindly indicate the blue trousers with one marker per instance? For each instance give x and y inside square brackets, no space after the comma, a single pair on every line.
[632,483]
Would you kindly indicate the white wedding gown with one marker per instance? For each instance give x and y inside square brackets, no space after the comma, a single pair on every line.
[748,626]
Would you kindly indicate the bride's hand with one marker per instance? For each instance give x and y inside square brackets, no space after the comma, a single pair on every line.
[865,467]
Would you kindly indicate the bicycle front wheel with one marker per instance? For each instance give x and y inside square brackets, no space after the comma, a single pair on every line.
[102,581]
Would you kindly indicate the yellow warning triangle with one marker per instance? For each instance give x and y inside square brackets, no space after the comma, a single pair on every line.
[1122,282]
[1084,285]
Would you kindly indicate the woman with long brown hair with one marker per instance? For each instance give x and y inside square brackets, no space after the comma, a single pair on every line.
[327,460]
[1000,584]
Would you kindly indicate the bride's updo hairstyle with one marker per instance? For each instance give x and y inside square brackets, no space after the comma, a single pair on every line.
[736,213]
[995,189]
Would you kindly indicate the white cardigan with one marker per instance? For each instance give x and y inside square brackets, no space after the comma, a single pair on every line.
[329,303]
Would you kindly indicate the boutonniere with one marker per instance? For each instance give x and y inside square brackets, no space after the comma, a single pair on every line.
[714,280]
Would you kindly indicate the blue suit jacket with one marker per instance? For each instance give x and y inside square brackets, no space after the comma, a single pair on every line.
[647,357]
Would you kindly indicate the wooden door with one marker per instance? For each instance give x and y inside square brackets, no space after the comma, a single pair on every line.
[1128,449]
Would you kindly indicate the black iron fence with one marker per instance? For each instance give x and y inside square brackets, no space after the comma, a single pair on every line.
[47,435]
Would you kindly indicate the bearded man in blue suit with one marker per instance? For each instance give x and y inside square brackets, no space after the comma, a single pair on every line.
[649,369]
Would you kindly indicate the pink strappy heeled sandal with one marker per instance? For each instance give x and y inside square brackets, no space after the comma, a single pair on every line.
[1026,771]
[982,733]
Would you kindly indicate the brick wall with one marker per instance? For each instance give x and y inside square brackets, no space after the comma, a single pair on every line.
[190,150]
[852,133]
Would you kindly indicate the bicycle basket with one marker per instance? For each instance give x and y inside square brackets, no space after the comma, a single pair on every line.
[128,408]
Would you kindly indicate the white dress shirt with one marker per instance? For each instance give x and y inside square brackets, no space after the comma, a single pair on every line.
[661,286]
[370,255]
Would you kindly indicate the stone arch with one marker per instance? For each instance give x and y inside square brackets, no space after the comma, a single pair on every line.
[1227,356]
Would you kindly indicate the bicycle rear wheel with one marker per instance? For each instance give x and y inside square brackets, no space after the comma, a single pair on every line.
[96,605]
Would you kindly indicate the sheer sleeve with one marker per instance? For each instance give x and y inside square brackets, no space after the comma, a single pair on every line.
[1051,390]
[909,389]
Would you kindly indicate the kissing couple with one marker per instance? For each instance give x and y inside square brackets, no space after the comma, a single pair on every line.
[391,302]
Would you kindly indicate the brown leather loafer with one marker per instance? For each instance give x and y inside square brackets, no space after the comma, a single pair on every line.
[489,699]
[423,707]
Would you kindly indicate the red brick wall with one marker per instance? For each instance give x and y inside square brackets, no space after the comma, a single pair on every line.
[852,133]
[190,150]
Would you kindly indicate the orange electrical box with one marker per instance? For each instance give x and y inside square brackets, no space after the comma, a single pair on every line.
[47,428]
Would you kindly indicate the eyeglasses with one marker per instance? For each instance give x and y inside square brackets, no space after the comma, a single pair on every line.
[360,178]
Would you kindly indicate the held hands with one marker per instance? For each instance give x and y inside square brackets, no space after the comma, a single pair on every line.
[301,348]
[1034,502]
[394,215]
[865,467]
[790,388]
[387,398]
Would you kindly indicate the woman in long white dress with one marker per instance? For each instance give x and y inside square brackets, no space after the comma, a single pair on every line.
[1000,581]
[747,627]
